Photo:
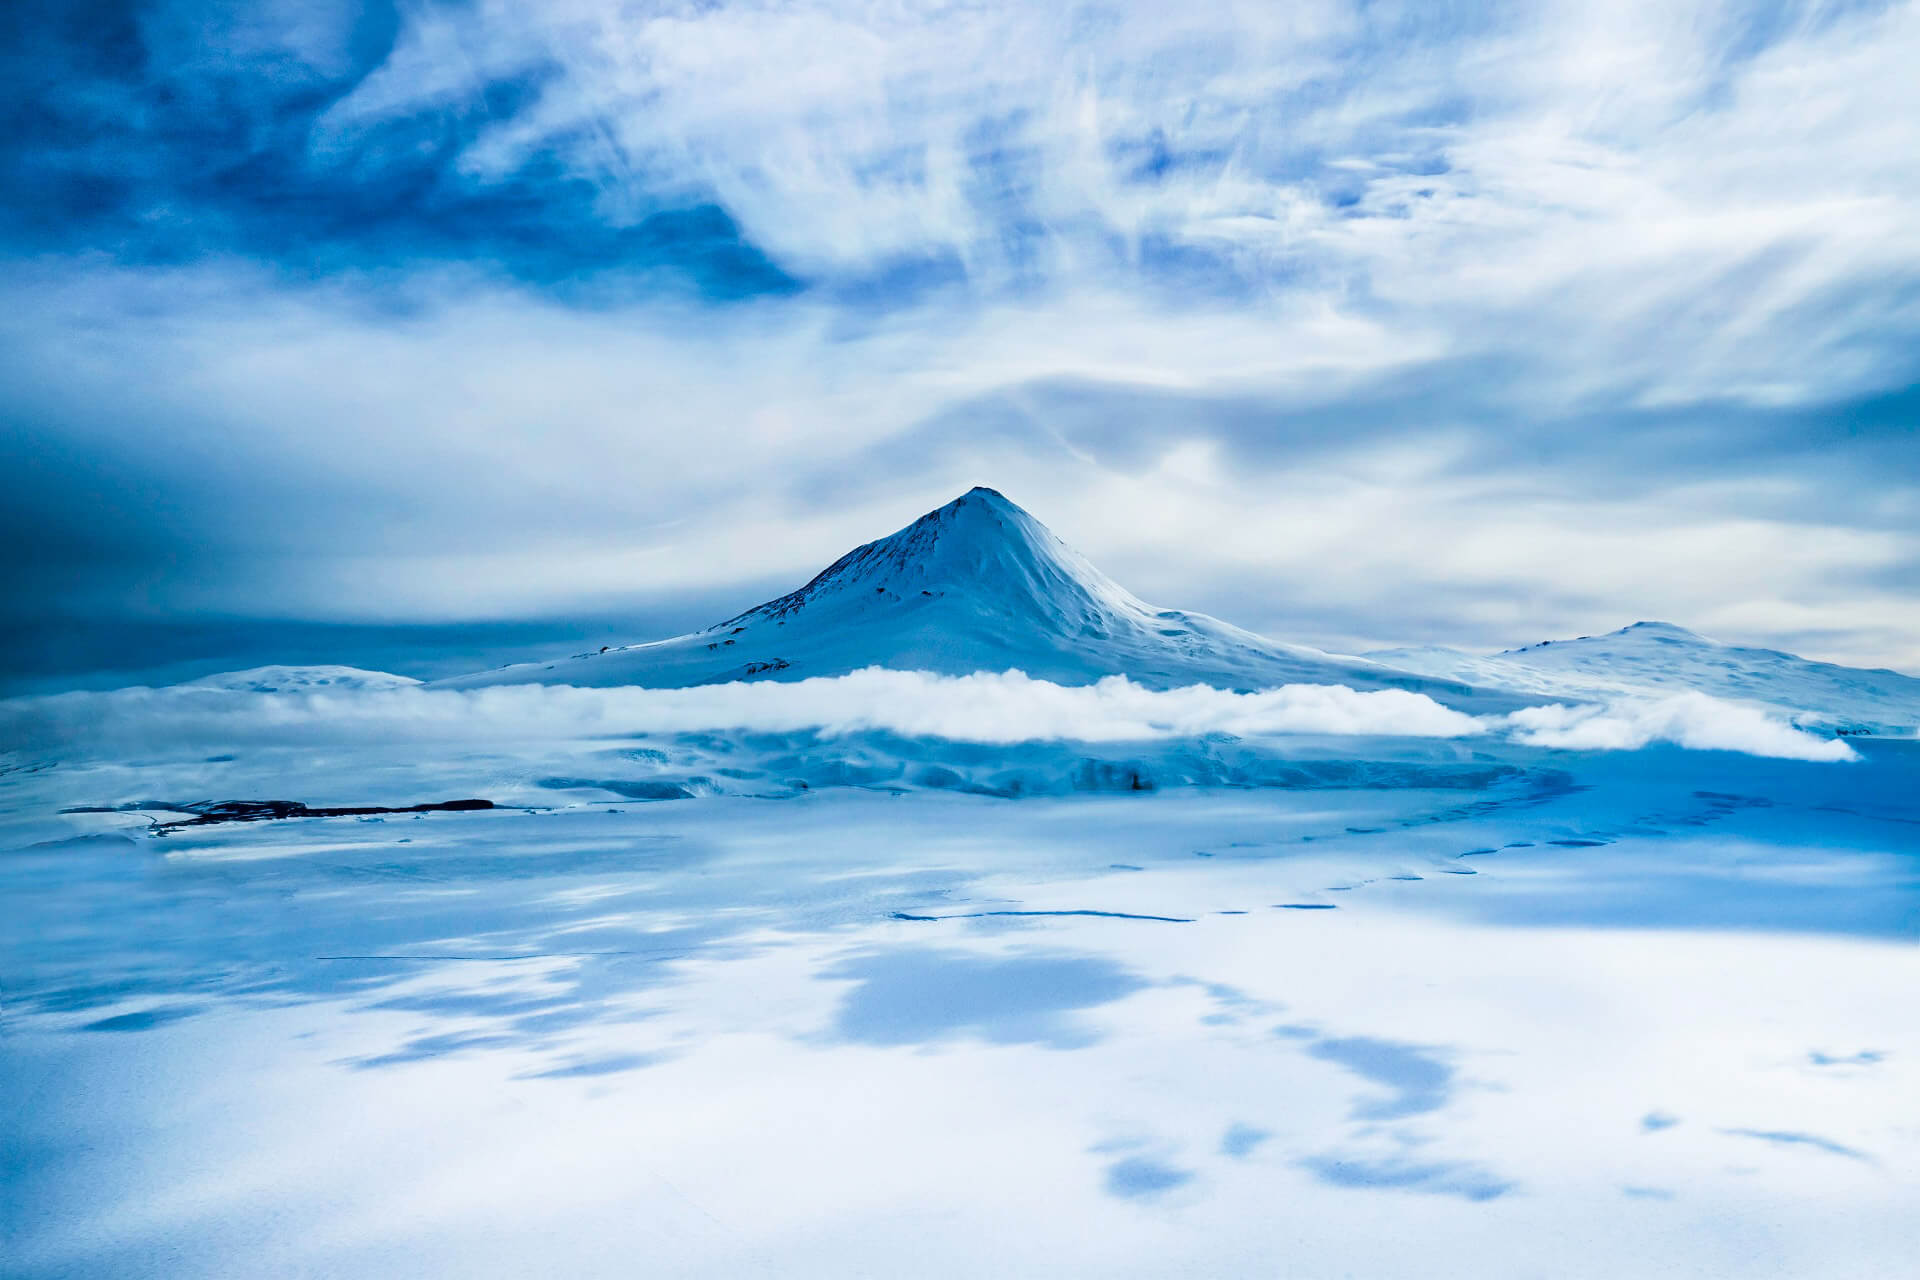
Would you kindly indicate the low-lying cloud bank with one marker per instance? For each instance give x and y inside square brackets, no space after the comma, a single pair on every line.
[1007,707]
[1687,719]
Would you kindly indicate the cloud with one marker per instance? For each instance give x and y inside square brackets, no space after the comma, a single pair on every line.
[168,131]
[1358,324]
[1003,708]
[1691,720]
[493,456]
[993,708]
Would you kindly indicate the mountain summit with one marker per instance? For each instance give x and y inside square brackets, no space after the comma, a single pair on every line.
[980,549]
[975,585]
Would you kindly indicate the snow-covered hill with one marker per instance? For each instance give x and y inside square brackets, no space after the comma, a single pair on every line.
[978,584]
[1660,658]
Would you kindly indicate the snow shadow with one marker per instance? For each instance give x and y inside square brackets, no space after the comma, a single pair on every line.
[1419,1082]
[1416,1082]
[925,995]
[1144,1178]
[1397,1173]
[518,932]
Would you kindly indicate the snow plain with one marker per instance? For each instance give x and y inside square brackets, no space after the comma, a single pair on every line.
[1350,1005]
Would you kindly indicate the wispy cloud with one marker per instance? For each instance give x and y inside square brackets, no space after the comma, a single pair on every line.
[1526,320]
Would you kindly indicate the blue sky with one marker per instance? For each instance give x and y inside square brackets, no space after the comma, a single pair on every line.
[1358,324]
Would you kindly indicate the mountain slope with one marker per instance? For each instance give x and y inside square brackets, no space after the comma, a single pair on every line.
[978,584]
[1660,658]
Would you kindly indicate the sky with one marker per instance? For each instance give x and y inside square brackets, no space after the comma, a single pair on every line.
[467,328]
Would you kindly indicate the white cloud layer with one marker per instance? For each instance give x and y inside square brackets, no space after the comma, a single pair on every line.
[1688,719]
[1171,276]
[1007,707]
[1692,167]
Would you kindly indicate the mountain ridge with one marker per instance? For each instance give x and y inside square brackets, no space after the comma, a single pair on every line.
[1661,658]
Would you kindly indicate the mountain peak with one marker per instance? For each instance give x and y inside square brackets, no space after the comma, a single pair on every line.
[984,512]
[1663,632]
[982,553]
[988,511]
[1657,629]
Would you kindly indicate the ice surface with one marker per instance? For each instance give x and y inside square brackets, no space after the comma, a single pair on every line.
[887,1023]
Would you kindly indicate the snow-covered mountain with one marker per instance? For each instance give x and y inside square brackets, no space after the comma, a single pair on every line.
[980,585]
[977,585]
[1661,658]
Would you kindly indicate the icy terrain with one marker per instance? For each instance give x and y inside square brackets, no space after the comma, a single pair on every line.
[1309,968]
[1382,1007]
